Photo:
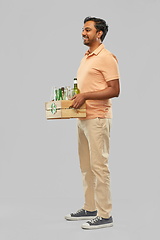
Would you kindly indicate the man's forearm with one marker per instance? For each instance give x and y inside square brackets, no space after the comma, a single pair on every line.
[107,93]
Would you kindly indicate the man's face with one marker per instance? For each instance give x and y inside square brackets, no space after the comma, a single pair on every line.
[89,33]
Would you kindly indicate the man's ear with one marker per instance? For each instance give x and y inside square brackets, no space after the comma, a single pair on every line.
[99,34]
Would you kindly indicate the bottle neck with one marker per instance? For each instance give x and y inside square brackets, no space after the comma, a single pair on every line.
[75,83]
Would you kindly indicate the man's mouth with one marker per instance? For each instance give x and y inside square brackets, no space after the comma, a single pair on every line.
[85,38]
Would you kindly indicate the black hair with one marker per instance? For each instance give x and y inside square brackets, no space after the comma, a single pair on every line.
[100,25]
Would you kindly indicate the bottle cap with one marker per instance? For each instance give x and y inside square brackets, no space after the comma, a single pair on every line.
[75,80]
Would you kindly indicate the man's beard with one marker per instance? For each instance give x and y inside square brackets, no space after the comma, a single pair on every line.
[86,42]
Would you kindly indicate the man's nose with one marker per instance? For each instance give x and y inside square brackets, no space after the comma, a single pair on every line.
[83,33]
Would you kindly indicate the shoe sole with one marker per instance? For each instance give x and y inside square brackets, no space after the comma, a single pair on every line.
[79,218]
[97,227]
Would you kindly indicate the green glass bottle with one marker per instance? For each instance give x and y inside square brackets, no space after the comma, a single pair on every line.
[56,93]
[76,90]
[60,95]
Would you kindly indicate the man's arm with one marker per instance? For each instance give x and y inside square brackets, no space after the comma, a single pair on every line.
[111,91]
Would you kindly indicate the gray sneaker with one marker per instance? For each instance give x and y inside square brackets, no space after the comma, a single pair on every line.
[81,215]
[98,222]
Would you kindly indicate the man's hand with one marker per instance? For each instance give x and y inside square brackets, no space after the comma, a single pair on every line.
[79,100]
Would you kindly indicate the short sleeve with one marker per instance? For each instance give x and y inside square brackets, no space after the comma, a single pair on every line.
[109,67]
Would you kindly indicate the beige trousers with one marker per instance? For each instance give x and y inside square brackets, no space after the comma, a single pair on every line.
[93,149]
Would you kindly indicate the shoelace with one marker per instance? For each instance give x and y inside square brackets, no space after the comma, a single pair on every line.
[94,220]
[81,210]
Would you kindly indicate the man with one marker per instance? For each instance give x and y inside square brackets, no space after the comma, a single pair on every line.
[98,81]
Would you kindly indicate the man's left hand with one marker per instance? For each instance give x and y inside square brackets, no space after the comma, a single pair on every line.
[79,100]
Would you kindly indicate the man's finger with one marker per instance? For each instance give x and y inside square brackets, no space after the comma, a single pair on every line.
[73,97]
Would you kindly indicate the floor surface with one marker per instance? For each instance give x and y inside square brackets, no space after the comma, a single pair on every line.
[44,220]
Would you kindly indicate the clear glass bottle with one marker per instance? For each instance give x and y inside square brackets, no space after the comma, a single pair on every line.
[53,96]
[65,93]
[69,92]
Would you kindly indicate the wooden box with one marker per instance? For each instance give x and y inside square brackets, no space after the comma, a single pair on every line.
[61,110]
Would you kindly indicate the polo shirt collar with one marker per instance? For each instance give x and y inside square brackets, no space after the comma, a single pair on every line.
[96,51]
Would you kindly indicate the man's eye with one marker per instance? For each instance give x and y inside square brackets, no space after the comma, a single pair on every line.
[87,30]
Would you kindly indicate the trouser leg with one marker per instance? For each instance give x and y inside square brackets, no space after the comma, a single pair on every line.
[88,177]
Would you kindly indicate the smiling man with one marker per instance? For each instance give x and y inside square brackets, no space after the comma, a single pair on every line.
[98,81]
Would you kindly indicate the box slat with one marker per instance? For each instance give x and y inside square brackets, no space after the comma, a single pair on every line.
[57,115]
[73,113]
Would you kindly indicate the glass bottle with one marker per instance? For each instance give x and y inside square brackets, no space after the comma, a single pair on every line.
[69,92]
[56,93]
[60,95]
[76,90]
[62,90]
[65,93]
[53,96]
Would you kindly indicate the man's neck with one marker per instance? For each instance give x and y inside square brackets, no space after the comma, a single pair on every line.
[94,47]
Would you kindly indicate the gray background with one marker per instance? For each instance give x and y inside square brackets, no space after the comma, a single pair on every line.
[40,179]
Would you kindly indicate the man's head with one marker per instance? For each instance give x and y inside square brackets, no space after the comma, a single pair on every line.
[96,27]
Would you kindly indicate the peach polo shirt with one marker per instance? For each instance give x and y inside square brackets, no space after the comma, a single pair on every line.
[96,69]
